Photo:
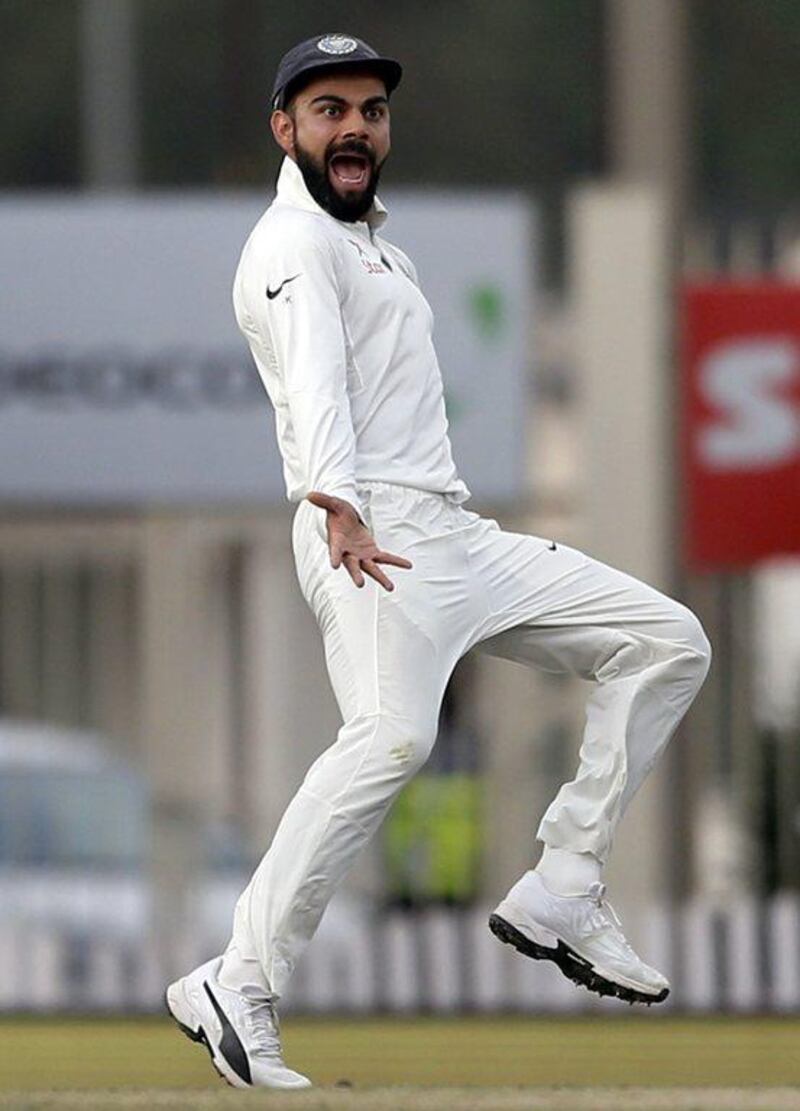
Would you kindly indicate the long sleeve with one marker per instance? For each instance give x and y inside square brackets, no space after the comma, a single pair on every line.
[342,337]
[292,300]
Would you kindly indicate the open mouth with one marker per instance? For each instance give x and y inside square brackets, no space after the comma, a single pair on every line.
[349,171]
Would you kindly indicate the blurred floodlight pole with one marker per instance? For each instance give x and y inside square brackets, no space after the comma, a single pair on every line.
[109,95]
[651,146]
[650,135]
[624,233]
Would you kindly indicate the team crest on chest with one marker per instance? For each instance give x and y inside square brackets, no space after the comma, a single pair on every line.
[370,266]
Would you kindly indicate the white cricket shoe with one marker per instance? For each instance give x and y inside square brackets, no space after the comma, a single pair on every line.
[579,933]
[239,1029]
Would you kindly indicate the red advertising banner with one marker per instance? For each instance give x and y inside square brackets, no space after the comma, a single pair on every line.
[741,423]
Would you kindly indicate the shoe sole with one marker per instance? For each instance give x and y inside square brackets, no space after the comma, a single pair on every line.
[574,967]
[199,1037]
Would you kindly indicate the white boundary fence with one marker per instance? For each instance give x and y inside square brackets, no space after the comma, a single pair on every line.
[743,958]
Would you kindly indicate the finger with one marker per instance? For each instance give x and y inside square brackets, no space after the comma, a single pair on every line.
[374,571]
[353,569]
[322,501]
[336,555]
[396,561]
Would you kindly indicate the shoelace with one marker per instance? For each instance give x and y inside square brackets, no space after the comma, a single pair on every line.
[264,1025]
[604,915]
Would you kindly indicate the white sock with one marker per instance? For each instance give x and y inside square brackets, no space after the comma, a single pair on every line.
[238,972]
[566,873]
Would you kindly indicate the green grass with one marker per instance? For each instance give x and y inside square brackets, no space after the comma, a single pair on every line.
[151,1064]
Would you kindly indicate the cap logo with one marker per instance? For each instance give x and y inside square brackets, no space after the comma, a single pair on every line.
[337,44]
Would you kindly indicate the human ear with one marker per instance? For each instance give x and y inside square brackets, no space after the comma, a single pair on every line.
[283,130]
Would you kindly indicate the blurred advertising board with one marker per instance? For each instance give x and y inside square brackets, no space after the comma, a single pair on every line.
[123,377]
[741,423]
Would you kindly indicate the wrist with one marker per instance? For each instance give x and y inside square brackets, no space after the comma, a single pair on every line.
[346,492]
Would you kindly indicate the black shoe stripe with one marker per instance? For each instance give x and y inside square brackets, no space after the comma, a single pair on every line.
[230,1045]
[574,967]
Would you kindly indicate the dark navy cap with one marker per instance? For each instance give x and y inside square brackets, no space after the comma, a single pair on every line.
[327,52]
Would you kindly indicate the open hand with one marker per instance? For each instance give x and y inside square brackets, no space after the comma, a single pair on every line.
[351,543]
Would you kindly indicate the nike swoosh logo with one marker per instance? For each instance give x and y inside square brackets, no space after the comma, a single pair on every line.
[230,1046]
[272,293]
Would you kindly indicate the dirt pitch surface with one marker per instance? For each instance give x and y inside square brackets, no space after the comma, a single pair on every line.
[416,1099]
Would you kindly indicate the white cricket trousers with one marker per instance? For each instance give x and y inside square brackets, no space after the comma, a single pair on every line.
[390,655]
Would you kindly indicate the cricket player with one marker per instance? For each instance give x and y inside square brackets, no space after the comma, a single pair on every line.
[404,580]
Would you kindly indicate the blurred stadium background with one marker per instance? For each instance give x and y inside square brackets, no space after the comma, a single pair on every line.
[602,198]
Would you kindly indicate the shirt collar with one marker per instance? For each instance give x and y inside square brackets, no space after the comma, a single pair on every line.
[293,190]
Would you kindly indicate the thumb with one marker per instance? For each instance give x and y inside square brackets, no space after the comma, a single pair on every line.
[322,501]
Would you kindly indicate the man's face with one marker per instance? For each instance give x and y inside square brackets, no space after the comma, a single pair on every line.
[337,131]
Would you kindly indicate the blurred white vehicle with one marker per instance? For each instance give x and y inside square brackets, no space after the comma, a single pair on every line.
[76,927]
[75,839]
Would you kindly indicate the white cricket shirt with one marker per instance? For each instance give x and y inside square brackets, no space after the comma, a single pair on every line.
[342,338]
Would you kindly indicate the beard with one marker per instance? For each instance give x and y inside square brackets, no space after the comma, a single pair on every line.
[351,205]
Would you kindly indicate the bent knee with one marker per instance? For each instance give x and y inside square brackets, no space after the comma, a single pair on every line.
[398,746]
[698,641]
[693,637]
[408,744]
[409,756]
